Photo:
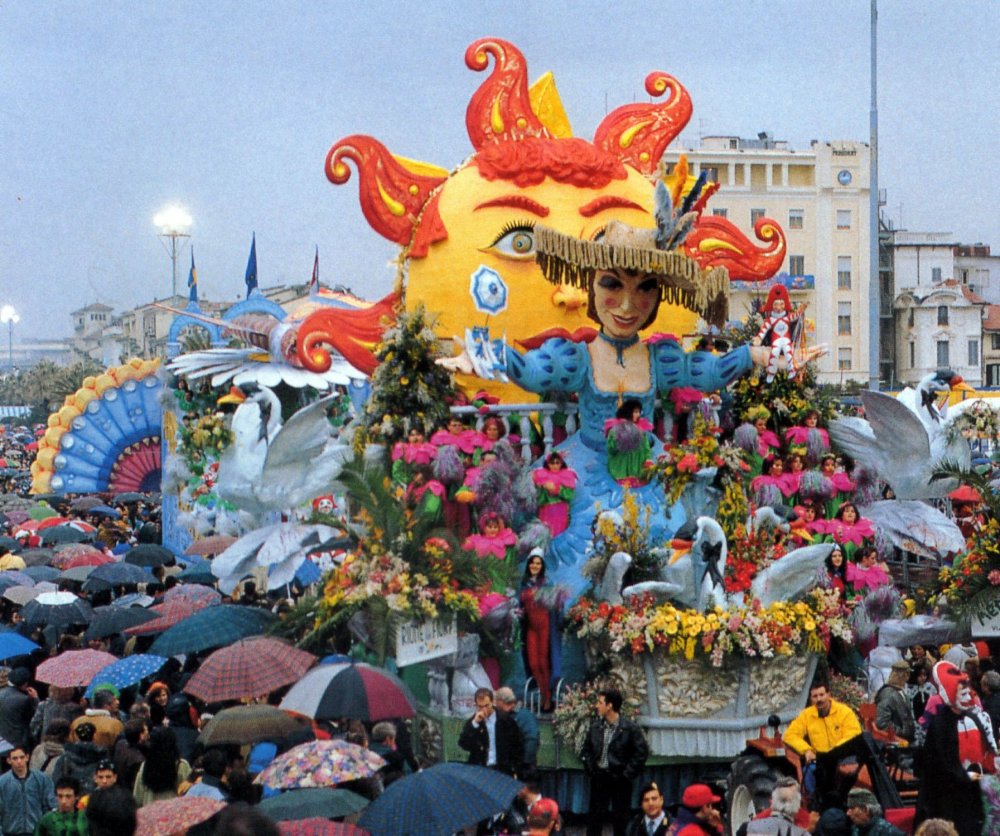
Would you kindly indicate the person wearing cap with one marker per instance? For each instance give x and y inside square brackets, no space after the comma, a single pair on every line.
[654,821]
[959,747]
[865,814]
[614,753]
[892,707]
[824,733]
[543,818]
[18,702]
[105,775]
[698,814]
[780,818]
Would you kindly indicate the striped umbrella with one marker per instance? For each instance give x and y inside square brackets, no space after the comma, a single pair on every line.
[246,669]
[358,691]
[74,668]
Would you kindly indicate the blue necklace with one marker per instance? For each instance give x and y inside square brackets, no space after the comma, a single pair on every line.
[620,345]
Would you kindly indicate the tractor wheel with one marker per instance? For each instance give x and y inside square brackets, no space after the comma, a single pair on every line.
[751,781]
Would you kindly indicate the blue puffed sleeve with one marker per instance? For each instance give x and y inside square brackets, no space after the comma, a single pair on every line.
[557,365]
[700,370]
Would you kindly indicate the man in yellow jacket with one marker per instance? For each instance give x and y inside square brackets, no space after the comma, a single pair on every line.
[825,733]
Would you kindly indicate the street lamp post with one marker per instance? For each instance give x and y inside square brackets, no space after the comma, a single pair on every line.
[10,316]
[173,223]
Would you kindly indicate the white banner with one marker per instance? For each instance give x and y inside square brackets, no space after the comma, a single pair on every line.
[987,625]
[418,641]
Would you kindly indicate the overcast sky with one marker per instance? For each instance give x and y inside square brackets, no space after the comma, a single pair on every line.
[110,110]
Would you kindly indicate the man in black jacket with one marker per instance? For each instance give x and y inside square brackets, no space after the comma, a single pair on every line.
[613,754]
[492,738]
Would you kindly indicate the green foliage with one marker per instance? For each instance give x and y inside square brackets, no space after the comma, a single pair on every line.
[45,384]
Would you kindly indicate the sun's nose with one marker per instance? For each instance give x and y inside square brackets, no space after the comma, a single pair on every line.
[569,298]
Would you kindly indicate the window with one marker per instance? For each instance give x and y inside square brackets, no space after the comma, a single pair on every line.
[843,219]
[756,215]
[942,314]
[843,272]
[711,172]
[720,213]
[943,354]
[993,374]
[797,265]
[974,353]
[909,319]
[844,359]
[795,218]
[843,318]
[935,274]
[913,354]
[995,342]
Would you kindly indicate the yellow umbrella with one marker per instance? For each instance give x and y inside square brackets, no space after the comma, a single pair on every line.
[11,561]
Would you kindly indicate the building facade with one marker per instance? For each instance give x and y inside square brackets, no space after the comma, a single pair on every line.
[820,198]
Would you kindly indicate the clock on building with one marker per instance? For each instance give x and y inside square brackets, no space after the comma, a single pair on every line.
[844,177]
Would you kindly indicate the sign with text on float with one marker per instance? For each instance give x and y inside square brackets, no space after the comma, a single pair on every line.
[419,641]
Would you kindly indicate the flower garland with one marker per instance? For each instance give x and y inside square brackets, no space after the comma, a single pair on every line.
[749,553]
[975,575]
[782,629]
[979,421]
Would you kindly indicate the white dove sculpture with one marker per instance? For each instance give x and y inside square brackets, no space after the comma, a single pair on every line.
[273,467]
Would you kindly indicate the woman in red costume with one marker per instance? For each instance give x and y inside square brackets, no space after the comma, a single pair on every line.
[556,485]
[540,607]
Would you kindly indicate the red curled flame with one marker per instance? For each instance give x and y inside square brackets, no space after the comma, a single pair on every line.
[638,134]
[716,242]
[352,332]
[392,196]
[500,110]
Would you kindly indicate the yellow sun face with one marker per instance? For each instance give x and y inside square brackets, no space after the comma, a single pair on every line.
[490,224]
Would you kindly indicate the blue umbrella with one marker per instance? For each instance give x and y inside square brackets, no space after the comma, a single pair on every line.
[105,511]
[15,577]
[116,574]
[308,573]
[111,620]
[441,799]
[41,573]
[199,571]
[126,671]
[488,290]
[14,644]
[213,627]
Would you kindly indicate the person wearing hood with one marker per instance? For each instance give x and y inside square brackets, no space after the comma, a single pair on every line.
[178,713]
[80,758]
[46,754]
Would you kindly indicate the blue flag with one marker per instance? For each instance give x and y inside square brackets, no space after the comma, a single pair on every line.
[192,281]
[251,275]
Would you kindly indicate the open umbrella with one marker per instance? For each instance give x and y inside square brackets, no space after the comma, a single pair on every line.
[320,763]
[213,627]
[41,512]
[129,496]
[194,593]
[249,724]
[41,573]
[20,595]
[134,599]
[15,577]
[105,511]
[16,516]
[73,668]
[11,561]
[10,543]
[64,534]
[318,826]
[210,546]
[77,574]
[14,644]
[149,554]
[51,522]
[109,621]
[441,799]
[199,572]
[60,609]
[247,669]
[167,615]
[319,802]
[358,691]
[113,574]
[85,503]
[174,816]
[37,557]
[93,559]
[124,672]
[64,554]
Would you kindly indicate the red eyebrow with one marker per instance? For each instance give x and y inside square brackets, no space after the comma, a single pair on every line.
[516,201]
[608,201]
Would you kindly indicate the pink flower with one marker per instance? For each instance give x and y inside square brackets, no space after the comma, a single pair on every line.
[688,464]
[994,577]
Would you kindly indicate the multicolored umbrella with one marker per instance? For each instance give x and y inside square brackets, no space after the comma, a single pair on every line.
[320,763]
[110,621]
[441,799]
[74,668]
[167,615]
[60,609]
[93,559]
[149,554]
[124,672]
[249,724]
[64,555]
[247,669]
[51,522]
[14,644]
[358,691]
[319,827]
[210,546]
[213,627]
[322,803]
[196,593]
[174,816]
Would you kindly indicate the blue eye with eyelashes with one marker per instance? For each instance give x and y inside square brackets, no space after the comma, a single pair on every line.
[516,240]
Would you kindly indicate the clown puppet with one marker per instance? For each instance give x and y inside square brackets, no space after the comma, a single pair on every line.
[779,330]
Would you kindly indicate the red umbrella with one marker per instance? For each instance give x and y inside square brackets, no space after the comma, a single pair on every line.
[195,593]
[965,494]
[93,558]
[249,668]
[74,668]
[359,691]
[319,827]
[65,554]
[169,614]
[174,816]
[210,546]
[48,522]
